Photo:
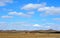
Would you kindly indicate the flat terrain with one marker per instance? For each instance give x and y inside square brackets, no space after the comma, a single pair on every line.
[29,35]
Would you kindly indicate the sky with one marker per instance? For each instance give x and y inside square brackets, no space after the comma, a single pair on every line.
[29,14]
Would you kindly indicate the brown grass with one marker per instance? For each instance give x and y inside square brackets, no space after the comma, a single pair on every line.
[29,35]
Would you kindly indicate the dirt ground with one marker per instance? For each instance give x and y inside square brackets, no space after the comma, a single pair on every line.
[29,35]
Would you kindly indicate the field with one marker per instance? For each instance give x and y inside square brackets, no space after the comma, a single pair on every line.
[29,35]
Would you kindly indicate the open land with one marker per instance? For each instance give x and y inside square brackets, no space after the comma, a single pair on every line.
[28,35]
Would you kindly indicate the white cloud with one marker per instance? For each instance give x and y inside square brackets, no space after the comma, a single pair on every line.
[6,16]
[50,10]
[21,25]
[46,26]
[13,13]
[56,19]
[32,6]
[46,10]
[24,15]
[4,2]
[29,14]
[37,25]
[14,25]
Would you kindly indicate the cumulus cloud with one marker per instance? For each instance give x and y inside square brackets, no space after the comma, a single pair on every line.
[32,6]
[29,14]
[46,10]
[6,16]
[4,2]
[56,19]
[50,10]
[36,25]
[13,13]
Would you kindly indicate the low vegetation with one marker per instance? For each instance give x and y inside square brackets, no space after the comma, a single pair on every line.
[29,34]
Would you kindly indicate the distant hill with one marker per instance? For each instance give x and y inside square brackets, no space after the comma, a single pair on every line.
[34,31]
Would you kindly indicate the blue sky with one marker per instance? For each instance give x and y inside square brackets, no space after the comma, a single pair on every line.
[29,14]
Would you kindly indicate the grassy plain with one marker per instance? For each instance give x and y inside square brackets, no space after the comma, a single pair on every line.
[29,35]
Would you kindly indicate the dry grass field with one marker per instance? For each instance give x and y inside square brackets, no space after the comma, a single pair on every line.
[29,35]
